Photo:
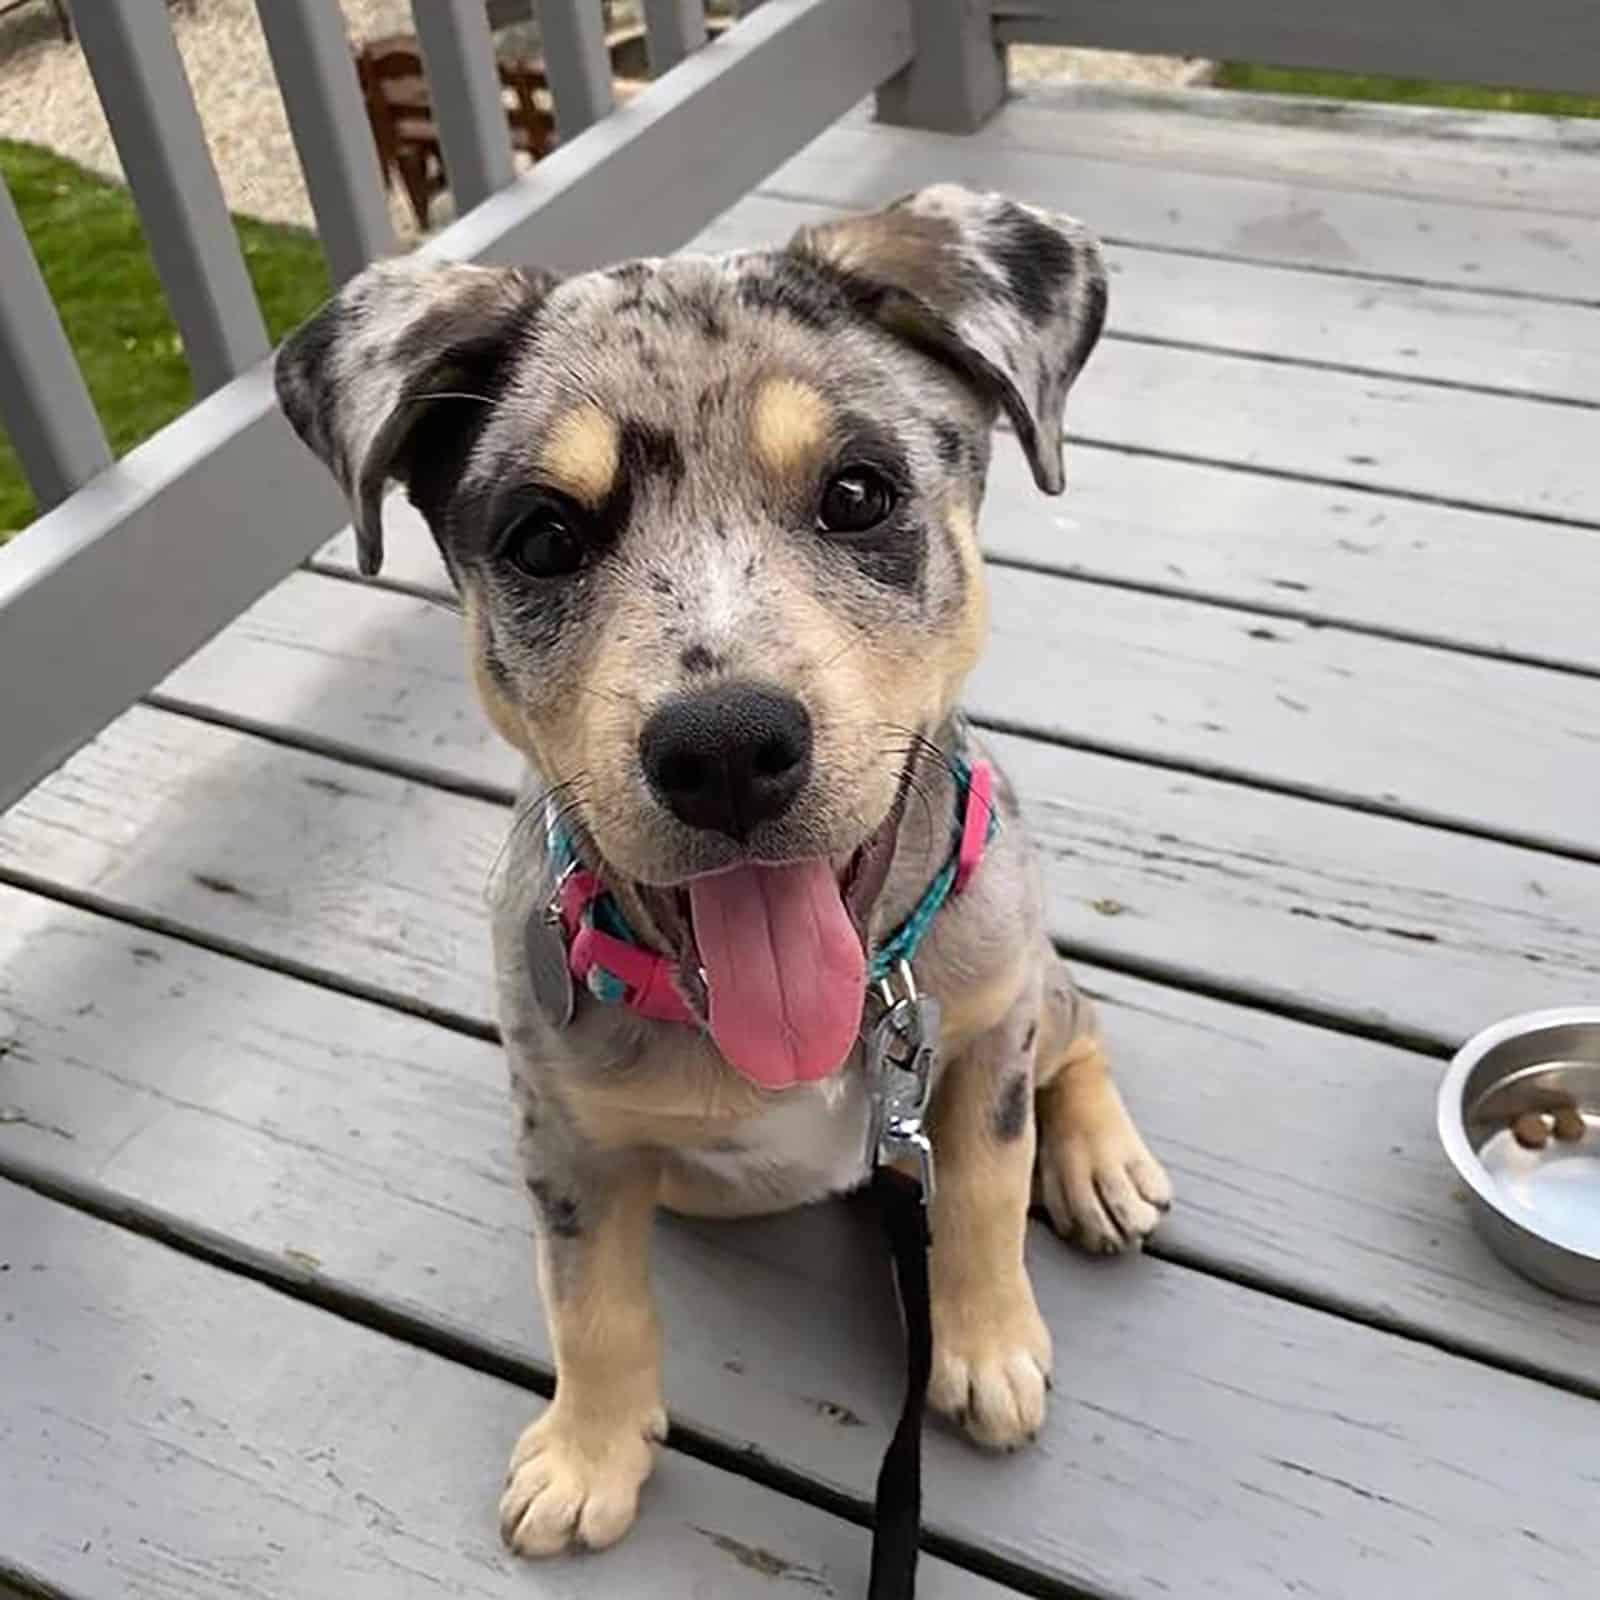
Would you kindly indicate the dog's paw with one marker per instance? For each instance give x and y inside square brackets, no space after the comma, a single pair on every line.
[991,1368]
[577,1487]
[1102,1187]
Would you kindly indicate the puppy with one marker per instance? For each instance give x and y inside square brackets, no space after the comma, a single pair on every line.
[713,523]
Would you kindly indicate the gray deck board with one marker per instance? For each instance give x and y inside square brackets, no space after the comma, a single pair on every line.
[1234,1461]
[1270,218]
[1484,159]
[1384,923]
[1442,335]
[1381,433]
[189,1063]
[294,1454]
[1334,554]
[1429,732]
[1456,738]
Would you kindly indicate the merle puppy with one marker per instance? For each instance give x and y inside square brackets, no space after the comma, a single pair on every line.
[713,526]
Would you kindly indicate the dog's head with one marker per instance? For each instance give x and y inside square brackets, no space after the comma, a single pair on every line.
[713,521]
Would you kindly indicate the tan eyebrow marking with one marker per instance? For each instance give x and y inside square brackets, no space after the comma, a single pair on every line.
[581,452]
[789,425]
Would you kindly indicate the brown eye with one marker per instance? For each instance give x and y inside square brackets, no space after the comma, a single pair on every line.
[545,542]
[855,500]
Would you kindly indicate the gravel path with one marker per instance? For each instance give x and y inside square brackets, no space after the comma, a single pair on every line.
[47,96]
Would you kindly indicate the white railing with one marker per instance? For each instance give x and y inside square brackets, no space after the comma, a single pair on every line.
[1532,44]
[958,77]
[135,563]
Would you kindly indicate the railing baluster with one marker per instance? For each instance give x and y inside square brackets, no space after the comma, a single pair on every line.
[956,80]
[316,74]
[464,91]
[675,28]
[579,65]
[139,77]
[44,405]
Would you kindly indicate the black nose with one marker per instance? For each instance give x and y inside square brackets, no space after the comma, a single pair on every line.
[729,758]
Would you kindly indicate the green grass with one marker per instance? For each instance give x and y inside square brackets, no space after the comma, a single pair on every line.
[86,236]
[1406,91]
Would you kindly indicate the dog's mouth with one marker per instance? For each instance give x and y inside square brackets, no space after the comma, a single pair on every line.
[773,958]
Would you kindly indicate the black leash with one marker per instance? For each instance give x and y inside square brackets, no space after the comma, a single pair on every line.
[898,1508]
[902,1053]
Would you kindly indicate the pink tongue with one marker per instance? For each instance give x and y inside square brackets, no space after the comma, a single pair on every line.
[784,968]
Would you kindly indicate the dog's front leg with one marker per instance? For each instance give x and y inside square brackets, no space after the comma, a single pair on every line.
[991,1363]
[576,1473]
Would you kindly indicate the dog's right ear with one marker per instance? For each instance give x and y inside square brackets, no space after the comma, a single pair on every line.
[403,341]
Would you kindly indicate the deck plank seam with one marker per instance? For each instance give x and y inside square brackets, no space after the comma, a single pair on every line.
[1273,358]
[1421,497]
[1280,611]
[1239,777]
[287,737]
[19,1583]
[240,950]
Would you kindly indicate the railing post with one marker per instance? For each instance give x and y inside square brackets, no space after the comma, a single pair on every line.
[464,87]
[139,76]
[675,29]
[578,62]
[44,406]
[957,79]
[317,77]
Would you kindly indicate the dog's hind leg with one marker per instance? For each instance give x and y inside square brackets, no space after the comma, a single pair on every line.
[1098,1180]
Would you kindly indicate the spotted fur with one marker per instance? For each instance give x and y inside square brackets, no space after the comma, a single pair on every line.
[681,420]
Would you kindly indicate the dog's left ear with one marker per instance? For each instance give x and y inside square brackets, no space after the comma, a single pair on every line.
[1011,296]
[394,375]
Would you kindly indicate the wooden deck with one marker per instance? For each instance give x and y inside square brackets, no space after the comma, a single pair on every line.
[1301,684]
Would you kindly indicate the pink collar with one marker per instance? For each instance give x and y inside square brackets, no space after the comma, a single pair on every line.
[604,956]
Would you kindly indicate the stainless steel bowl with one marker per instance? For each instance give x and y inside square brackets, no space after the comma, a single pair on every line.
[1538,1208]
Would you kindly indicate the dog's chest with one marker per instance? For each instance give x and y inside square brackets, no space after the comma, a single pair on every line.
[802,1145]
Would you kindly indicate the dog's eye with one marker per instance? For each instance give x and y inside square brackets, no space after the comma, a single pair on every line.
[545,542]
[855,499]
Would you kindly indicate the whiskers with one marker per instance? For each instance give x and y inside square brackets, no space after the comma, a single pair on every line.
[561,801]
[916,752]
[438,599]
[455,394]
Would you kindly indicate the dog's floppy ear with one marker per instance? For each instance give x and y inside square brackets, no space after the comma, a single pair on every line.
[1012,296]
[402,344]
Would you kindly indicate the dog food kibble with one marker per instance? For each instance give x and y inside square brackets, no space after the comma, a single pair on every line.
[1570,1124]
[1531,1131]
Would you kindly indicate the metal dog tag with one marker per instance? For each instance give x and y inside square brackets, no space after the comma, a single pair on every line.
[544,947]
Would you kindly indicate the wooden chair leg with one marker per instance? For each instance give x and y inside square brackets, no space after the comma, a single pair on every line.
[413,165]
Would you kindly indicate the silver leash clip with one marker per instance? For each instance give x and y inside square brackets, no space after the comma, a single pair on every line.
[902,1053]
